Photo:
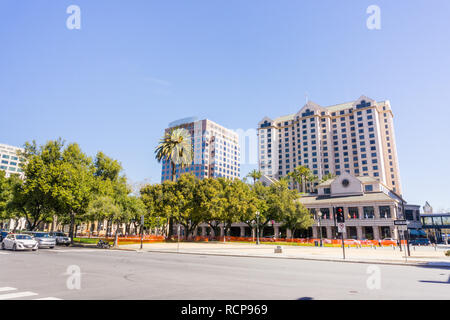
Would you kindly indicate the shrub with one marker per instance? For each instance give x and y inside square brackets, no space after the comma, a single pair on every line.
[447,253]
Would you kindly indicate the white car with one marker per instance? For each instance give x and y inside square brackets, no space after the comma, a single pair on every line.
[19,242]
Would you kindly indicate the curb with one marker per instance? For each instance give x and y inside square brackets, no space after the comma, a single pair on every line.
[413,264]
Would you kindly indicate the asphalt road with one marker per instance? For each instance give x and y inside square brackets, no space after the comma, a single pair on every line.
[110,274]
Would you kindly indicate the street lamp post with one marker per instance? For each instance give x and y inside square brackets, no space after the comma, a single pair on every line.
[319,215]
[257,227]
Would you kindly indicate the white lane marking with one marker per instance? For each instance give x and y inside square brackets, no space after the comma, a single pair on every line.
[17,295]
[48,298]
[2,289]
[4,253]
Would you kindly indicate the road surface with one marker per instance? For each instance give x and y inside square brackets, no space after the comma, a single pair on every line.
[112,274]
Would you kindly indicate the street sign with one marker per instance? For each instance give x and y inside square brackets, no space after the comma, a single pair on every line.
[400,222]
[341,227]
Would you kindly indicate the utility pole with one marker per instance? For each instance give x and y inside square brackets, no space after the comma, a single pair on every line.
[142,231]
[406,235]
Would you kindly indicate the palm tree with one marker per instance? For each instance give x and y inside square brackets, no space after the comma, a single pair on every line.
[311,179]
[255,174]
[299,175]
[176,148]
[327,176]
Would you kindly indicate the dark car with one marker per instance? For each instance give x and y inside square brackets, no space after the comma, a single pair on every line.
[419,242]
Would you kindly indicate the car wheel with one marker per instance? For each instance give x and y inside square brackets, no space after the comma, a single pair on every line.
[51,247]
[3,246]
[67,244]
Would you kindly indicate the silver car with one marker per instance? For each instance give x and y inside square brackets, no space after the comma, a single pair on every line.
[61,238]
[44,239]
[19,242]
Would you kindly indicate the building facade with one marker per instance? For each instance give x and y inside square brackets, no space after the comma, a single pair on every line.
[9,160]
[216,151]
[369,208]
[356,137]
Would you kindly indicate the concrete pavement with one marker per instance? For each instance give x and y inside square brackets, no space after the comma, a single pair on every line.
[387,255]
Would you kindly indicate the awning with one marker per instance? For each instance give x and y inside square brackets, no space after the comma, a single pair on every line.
[415,232]
[422,233]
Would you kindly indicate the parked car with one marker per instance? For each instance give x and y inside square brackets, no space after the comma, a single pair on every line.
[61,238]
[19,242]
[419,242]
[44,239]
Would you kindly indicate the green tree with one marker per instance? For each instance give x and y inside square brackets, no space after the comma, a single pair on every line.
[5,197]
[211,201]
[105,207]
[240,203]
[74,185]
[34,199]
[160,202]
[134,209]
[188,212]
[297,218]
[274,202]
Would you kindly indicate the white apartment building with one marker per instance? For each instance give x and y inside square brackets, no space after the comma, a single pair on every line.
[216,151]
[355,137]
[9,160]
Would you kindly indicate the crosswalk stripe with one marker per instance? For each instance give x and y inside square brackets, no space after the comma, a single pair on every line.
[48,298]
[17,295]
[7,289]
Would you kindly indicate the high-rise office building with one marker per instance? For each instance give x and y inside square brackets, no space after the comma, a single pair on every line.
[355,137]
[216,151]
[9,160]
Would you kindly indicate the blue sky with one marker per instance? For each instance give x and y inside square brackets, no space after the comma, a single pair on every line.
[134,66]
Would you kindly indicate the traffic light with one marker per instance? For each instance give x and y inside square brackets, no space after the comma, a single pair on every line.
[340,218]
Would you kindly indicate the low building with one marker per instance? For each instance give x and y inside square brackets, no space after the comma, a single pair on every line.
[436,225]
[369,207]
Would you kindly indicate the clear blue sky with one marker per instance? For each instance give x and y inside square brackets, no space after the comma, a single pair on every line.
[136,65]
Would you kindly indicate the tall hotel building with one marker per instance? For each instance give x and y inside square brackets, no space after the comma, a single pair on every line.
[355,137]
[216,150]
[9,160]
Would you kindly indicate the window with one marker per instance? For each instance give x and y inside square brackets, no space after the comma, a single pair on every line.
[368,188]
[353,213]
[385,212]
[368,212]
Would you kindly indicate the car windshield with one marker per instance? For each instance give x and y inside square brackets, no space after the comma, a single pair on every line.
[42,235]
[23,237]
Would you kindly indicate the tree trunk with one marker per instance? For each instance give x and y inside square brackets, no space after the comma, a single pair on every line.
[116,237]
[72,224]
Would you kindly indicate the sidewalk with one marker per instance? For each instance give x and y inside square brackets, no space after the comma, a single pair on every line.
[385,255]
